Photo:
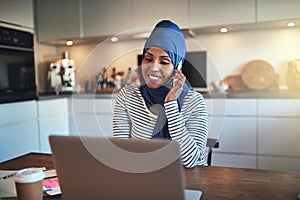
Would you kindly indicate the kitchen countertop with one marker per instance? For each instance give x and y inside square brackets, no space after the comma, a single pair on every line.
[229,95]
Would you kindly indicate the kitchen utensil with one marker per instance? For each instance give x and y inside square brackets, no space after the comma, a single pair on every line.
[258,75]
[235,83]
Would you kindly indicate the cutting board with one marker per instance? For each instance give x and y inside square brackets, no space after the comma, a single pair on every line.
[258,75]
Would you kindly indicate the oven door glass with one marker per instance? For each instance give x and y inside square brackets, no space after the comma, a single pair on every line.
[17,75]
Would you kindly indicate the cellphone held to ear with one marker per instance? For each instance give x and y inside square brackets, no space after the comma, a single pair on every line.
[178,68]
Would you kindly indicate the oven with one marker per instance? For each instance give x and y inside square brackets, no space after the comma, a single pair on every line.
[17,71]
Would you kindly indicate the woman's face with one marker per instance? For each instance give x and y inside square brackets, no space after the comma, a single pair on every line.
[157,67]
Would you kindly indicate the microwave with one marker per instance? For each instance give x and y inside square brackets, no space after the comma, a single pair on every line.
[17,71]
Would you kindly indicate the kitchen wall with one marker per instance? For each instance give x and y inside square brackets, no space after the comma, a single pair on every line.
[227,52]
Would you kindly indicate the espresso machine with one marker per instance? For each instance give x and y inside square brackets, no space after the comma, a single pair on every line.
[62,74]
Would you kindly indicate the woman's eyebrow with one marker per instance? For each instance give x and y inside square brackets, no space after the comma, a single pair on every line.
[149,53]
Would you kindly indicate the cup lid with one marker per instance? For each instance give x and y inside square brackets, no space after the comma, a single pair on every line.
[29,175]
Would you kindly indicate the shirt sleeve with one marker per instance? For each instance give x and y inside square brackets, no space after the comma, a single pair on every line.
[121,121]
[191,134]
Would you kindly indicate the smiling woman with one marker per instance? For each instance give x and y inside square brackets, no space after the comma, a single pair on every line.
[163,106]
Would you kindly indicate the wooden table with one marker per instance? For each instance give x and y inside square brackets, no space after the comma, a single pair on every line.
[215,182]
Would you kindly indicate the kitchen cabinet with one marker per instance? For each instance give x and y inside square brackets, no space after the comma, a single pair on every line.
[57,19]
[17,12]
[215,12]
[53,119]
[146,14]
[91,116]
[19,130]
[233,122]
[106,17]
[269,10]
[278,134]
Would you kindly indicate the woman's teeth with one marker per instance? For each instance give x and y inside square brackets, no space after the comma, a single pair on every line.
[154,78]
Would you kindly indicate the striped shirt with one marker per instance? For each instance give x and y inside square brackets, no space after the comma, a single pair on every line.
[132,119]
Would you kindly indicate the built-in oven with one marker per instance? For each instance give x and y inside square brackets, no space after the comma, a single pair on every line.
[17,71]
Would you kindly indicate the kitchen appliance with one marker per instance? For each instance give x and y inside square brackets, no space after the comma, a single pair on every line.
[62,74]
[17,71]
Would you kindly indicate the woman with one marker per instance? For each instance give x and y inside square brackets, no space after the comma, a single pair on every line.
[164,107]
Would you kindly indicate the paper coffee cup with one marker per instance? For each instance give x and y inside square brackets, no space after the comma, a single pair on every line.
[29,184]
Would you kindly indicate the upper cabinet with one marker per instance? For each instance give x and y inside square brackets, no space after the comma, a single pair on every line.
[18,12]
[69,19]
[57,19]
[146,14]
[270,10]
[205,13]
[105,17]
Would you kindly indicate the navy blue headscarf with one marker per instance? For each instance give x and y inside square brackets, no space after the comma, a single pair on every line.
[167,36]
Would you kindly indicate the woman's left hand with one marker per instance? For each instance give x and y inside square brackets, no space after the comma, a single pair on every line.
[179,80]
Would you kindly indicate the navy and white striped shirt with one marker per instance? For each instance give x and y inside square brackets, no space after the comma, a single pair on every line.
[132,119]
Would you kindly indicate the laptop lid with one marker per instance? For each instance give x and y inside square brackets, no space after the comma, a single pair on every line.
[111,168]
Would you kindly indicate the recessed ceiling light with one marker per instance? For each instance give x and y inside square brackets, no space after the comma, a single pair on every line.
[69,43]
[291,24]
[114,39]
[223,30]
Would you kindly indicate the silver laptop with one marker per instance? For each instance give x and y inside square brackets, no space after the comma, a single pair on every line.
[109,168]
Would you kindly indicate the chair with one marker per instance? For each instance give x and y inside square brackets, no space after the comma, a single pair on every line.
[210,144]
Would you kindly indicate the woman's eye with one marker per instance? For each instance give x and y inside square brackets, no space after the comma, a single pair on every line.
[163,62]
[148,59]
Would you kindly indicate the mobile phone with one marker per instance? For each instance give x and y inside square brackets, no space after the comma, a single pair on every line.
[179,68]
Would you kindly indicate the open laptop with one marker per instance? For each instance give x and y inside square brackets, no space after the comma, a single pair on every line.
[115,169]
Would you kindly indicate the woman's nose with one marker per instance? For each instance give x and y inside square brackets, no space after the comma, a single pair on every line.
[155,66]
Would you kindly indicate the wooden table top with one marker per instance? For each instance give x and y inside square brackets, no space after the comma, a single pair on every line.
[215,182]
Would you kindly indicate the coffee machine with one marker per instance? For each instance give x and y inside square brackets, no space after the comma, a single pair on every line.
[62,74]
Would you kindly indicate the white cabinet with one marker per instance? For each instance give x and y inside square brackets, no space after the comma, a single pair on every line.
[91,117]
[278,134]
[53,119]
[19,12]
[146,14]
[19,130]
[233,122]
[106,17]
[269,10]
[57,19]
[205,13]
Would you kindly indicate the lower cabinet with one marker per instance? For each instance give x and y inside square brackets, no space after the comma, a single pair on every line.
[53,119]
[279,134]
[257,133]
[19,129]
[238,145]
[91,117]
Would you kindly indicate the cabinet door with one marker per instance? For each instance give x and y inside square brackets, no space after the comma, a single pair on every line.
[279,107]
[234,160]
[238,135]
[57,19]
[231,107]
[18,138]
[279,163]
[216,12]
[279,136]
[106,17]
[53,120]
[19,129]
[92,117]
[269,10]
[146,14]
[19,12]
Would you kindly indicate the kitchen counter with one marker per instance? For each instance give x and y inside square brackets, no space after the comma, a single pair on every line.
[229,95]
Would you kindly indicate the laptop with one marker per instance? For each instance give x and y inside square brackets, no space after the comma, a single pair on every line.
[110,168]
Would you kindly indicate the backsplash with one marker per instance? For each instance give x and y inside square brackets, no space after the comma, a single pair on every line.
[227,52]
